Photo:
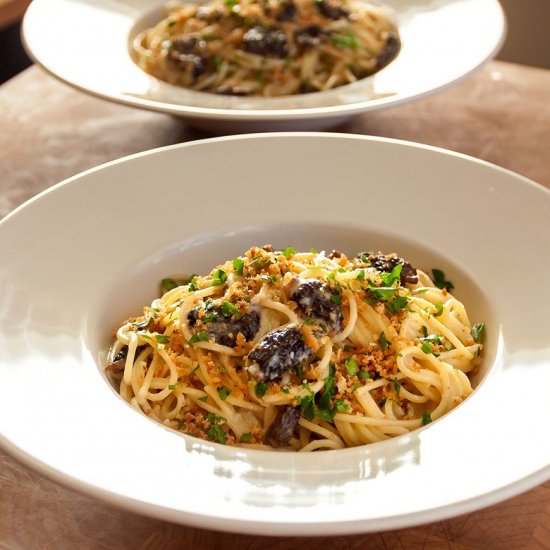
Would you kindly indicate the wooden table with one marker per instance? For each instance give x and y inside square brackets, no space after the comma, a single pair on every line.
[50,132]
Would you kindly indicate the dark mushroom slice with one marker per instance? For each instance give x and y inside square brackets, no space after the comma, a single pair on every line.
[188,54]
[265,41]
[287,11]
[387,263]
[309,37]
[318,301]
[331,10]
[119,361]
[283,427]
[278,352]
[389,51]
[224,328]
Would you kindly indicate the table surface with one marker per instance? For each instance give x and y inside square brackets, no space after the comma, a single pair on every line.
[50,132]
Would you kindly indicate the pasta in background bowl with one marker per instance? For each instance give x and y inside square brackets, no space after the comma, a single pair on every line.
[281,47]
[116,236]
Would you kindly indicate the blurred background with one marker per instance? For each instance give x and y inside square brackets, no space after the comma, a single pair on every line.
[528,40]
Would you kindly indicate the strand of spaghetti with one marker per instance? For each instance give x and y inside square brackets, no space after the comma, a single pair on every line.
[319,430]
[369,421]
[321,444]
[285,310]
[217,348]
[352,318]
[170,382]
[132,341]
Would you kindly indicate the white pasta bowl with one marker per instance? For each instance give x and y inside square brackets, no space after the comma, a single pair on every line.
[86,43]
[89,252]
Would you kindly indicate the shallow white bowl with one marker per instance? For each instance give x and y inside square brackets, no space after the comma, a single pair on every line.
[86,44]
[87,253]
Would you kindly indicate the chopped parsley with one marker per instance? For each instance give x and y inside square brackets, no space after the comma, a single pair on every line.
[216,433]
[162,338]
[382,293]
[219,277]
[193,284]
[229,309]
[390,279]
[440,281]
[289,251]
[238,265]
[396,384]
[223,392]
[351,366]
[426,348]
[199,337]
[360,276]
[324,409]
[478,332]
[344,40]
[383,342]
[396,305]
[169,284]
[438,309]
[261,389]
[364,374]
[425,330]
[230,3]
[336,298]
[426,418]
[307,406]
[341,405]
[433,339]
[245,438]
[171,386]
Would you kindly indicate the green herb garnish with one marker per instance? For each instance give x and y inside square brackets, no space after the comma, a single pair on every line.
[216,433]
[238,265]
[383,342]
[219,277]
[341,405]
[478,332]
[193,284]
[426,418]
[289,251]
[169,284]
[439,280]
[351,366]
[199,337]
[396,305]
[229,309]
[162,338]
[344,40]
[245,438]
[223,392]
[261,389]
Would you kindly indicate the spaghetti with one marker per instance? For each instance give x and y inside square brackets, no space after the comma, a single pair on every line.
[268,48]
[299,351]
